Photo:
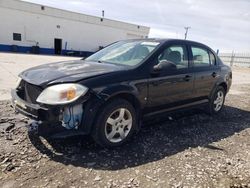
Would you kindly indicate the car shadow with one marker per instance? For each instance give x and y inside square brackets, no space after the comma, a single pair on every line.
[160,137]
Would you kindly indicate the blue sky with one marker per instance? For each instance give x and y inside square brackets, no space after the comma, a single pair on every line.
[221,24]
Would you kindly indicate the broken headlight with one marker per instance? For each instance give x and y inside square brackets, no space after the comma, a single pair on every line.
[61,94]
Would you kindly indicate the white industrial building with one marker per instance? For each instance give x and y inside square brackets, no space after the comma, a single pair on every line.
[32,28]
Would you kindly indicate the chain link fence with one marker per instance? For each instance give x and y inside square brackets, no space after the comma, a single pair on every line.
[236,59]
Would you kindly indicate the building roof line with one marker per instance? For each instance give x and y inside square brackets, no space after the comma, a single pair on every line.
[142,28]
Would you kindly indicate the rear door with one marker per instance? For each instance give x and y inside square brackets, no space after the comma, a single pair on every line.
[171,87]
[206,71]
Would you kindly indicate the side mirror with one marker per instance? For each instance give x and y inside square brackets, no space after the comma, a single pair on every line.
[164,65]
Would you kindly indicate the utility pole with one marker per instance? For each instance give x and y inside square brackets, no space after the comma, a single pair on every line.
[186,28]
[103,13]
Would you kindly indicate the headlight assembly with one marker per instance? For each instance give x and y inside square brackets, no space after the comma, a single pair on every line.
[61,94]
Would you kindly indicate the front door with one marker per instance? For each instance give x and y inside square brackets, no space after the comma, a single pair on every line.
[171,87]
[58,46]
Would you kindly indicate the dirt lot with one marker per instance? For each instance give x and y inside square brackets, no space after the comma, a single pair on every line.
[190,149]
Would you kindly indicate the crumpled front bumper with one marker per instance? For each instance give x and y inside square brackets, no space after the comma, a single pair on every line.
[51,115]
[34,111]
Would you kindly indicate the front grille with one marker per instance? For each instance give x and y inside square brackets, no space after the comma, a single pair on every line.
[28,92]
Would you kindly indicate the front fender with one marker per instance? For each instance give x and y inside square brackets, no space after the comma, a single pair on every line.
[113,91]
[100,97]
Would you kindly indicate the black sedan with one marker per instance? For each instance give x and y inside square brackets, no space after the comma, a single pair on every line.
[108,94]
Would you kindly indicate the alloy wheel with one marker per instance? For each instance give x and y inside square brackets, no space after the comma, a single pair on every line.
[118,125]
[219,100]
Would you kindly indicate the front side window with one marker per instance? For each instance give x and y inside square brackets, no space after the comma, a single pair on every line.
[176,54]
[200,57]
[129,53]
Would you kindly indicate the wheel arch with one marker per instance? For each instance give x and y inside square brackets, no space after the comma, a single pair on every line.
[103,96]
[124,91]
[222,84]
[128,96]
[131,98]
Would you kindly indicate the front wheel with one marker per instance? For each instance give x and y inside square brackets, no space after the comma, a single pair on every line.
[217,101]
[115,123]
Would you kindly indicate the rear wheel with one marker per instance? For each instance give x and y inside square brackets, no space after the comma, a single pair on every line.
[217,101]
[115,124]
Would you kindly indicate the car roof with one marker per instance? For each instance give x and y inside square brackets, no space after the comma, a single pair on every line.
[164,40]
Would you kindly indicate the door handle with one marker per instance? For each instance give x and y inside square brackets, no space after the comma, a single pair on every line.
[187,78]
[214,74]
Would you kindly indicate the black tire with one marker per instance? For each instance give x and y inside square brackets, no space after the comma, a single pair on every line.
[212,108]
[99,131]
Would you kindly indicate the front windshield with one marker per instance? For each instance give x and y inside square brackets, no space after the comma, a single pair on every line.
[129,53]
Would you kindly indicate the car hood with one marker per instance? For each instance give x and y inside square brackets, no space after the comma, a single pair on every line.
[67,71]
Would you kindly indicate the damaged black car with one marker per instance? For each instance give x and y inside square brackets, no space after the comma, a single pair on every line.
[108,94]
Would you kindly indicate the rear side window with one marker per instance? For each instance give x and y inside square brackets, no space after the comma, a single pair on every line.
[200,57]
[177,54]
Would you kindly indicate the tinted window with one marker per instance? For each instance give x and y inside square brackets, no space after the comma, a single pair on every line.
[17,36]
[176,54]
[200,57]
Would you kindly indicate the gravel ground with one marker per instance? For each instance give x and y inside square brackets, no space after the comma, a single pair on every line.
[190,149]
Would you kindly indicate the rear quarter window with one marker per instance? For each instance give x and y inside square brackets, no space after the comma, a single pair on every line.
[212,59]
